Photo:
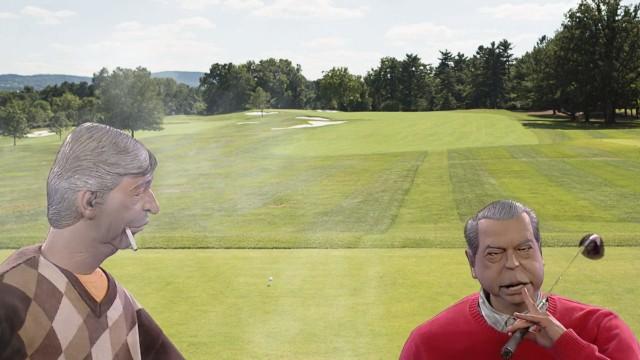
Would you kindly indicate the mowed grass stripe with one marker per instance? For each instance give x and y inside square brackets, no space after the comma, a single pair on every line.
[373,206]
[428,214]
[529,181]
[473,185]
[573,209]
[607,204]
[225,184]
[524,179]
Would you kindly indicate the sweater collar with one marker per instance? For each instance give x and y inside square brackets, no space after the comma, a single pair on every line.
[498,320]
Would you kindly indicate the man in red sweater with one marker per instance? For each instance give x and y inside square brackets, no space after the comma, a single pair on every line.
[505,257]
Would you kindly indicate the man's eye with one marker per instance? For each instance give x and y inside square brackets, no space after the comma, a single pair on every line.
[494,256]
[524,249]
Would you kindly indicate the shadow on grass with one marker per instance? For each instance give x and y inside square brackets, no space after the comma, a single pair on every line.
[560,122]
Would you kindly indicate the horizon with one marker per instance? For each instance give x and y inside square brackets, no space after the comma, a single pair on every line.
[68,38]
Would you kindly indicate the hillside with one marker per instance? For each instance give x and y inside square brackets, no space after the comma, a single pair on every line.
[13,82]
[185,77]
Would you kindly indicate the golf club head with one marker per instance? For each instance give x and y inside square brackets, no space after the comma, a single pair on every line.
[592,246]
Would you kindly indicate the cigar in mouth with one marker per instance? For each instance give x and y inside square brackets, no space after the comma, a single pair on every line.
[132,240]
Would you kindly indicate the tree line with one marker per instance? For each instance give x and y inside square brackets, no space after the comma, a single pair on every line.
[589,67]
[127,99]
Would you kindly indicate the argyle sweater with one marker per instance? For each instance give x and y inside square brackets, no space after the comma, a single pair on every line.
[461,332]
[46,313]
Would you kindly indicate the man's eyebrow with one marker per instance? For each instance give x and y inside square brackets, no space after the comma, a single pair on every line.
[142,184]
[524,242]
[491,247]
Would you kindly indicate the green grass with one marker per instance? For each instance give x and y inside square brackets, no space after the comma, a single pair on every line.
[387,191]
[332,304]
[379,180]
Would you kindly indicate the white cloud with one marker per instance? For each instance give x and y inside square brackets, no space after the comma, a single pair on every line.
[428,39]
[315,62]
[8,15]
[195,22]
[402,35]
[243,4]
[310,9]
[46,16]
[196,4]
[288,9]
[325,43]
[179,45]
[528,11]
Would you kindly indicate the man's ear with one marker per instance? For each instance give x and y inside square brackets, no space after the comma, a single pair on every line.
[87,201]
[472,262]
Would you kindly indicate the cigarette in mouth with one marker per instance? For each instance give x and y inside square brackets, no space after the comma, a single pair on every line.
[132,241]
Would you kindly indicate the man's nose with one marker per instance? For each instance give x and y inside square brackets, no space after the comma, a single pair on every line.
[151,203]
[512,260]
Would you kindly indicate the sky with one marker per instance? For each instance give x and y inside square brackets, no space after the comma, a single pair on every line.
[80,37]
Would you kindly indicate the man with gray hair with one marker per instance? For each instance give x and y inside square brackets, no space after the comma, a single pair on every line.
[505,256]
[56,301]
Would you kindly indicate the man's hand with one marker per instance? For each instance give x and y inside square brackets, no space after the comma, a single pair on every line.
[545,329]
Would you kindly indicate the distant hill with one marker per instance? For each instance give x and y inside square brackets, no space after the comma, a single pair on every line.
[190,78]
[13,82]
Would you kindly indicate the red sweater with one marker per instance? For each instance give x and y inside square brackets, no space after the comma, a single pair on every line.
[461,332]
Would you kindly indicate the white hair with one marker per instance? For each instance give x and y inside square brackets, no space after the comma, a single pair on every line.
[93,157]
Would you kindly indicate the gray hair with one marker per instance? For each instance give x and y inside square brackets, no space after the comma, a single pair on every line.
[93,157]
[498,210]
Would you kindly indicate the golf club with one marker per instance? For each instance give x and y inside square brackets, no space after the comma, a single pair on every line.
[591,246]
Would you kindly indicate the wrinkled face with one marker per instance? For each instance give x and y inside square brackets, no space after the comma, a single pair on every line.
[508,259]
[128,205]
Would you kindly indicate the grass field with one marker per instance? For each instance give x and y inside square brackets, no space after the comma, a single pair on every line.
[360,224]
[331,304]
[378,180]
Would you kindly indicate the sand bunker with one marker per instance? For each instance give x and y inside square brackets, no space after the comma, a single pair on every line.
[40,133]
[248,122]
[327,110]
[312,118]
[258,113]
[312,124]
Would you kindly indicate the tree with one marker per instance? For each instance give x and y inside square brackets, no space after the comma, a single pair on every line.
[129,99]
[179,98]
[489,70]
[533,83]
[445,92]
[39,113]
[13,120]
[226,88]
[280,79]
[89,110]
[596,53]
[415,92]
[68,104]
[384,85]
[81,90]
[59,123]
[65,109]
[461,79]
[259,100]
[338,89]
